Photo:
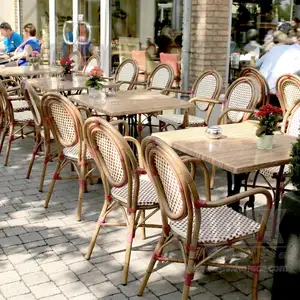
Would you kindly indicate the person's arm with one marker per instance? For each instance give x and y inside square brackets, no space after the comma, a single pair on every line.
[24,54]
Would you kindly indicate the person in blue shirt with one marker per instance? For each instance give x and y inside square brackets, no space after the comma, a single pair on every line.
[12,40]
[66,48]
[31,44]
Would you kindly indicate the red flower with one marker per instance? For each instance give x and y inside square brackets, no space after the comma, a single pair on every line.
[267,110]
[66,61]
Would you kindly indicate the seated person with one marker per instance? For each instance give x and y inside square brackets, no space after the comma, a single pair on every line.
[12,40]
[253,47]
[25,49]
[282,59]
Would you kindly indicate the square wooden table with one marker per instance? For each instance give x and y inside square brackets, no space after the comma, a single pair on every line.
[133,103]
[29,71]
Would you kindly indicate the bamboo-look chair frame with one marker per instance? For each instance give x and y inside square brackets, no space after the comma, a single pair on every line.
[129,169]
[66,138]
[265,89]
[11,120]
[205,104]
[290,122]
[43,137]
[91,59]
[188,206]
[284,80]
[77,53]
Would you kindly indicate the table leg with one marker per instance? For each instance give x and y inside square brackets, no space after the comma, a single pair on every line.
[186,118]
[140,127]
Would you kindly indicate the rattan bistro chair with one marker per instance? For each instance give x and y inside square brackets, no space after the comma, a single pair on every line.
[288,91]
[12,122]
[205,94]
[77,59]
[125,184]
[93,61]
[66,124]
[197,224]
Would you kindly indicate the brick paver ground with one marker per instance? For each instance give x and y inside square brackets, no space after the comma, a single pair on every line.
[42,250]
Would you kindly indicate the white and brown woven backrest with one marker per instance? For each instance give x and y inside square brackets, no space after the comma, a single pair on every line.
[93,61]
[127,71]
[291,121]
[34,102]
[7,113]
[64,120]
[77,58]
[263,84]
[161,78]
[243,93]
[171,178]
[208,85]
[288,91]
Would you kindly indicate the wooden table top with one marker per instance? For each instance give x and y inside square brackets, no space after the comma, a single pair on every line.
[131,102]
[235,151]
[29,71]
[54,84]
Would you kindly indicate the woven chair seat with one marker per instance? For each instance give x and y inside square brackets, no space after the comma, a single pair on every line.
[177,120]
[20,105]
[272,172]
[72,153]
[147,193]
[24,116]
[219,225]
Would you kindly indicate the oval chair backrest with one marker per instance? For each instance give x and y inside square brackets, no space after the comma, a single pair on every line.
[93,61]
[172,60]
[263,84]
[288,91]
[34,103]
[243,94]
[161,78]
[77,58]
[63,119]
[171,178]
[6,105]
[292,120]
[110,152]
[208,85]
[127,71]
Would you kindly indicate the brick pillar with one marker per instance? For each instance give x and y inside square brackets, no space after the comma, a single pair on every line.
[16,7]
[209,37]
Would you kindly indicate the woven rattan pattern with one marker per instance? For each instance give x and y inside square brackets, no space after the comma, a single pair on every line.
[270,172]
[126,74]
[219,225]
[76,57]
[23,116]
[110,156]
[64,123]
[291,92]
[91,63]
[177,120]
[240,97]
[170,184]
[160,79]
[147,194]
[72,152]
[19,105]
[205,88]
[34,105]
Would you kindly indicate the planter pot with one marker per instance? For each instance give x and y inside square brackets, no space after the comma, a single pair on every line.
[67,77]
[36,66]
[265,142]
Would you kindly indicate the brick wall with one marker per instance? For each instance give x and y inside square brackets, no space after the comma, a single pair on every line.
[209,37]
[16,11]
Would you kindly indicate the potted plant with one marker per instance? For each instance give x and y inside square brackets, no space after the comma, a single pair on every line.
[34,59]
[269,116]
[67,65]
[95,82]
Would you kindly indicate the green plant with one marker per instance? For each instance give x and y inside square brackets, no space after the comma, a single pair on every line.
[95,79]
[294,172]
[268,116]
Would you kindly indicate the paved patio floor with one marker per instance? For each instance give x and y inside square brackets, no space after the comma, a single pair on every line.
[42,250]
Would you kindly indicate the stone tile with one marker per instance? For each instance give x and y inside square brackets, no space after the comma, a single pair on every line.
[5,266]
[131,288]
[244,285]
[88,296]
[56,240]
[35,278]
[14,249]
[9,277]
[219,287]
[45,290]
[172,296]
[54,267]
[72,257]
[55,297]
[160,288]
[195,288]
[81,267]
[74,289]
[63,277]
[10,241]
[11,231]
[206,296]
[116,297]
[104,289]
[30,237]
[94,277]
[14,289]
[263,295]
[18,222]
[23,297]
[28,267]
[110,266]
[235,296]
[50,233]
[116,278]
[232,275]
[35,244]
[19,258]
[46,257]
[145,296]
[63,248]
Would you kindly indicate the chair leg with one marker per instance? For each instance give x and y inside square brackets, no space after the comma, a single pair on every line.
[150,124]
[2,138]
[34,153]
[189,276]
[91,174]
[46,160]
[10,139]
[131,234]
[55,177]
[82,188]
[212,178]
[143,229]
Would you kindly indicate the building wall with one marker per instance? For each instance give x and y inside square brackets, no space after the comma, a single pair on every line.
[209,37]
[7,13]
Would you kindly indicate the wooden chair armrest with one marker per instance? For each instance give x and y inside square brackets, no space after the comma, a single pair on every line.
[85,109]
[144,83]
[225,112]
[178,91]
[207,100]
[108,78]
[121,122]
[16,98]
[10,80]
[138,148]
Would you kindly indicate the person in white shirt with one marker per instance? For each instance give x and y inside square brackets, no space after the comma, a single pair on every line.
[283,59]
